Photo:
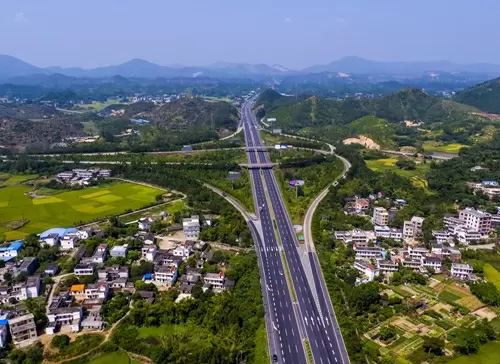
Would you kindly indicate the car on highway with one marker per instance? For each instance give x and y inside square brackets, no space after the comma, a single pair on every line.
[275,358]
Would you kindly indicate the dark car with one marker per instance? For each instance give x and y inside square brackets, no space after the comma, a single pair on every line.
[275,358]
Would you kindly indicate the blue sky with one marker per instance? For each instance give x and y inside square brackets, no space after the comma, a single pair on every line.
[294,33]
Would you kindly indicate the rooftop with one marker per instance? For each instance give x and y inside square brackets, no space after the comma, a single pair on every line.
[77,287]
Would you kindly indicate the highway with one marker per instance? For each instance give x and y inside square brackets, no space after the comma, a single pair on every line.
[285,340]
[313,311]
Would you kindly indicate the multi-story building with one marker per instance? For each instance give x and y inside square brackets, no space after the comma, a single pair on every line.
[191,226]
[476,220]
[446,252]
[149,252]
[97,291]
[368,271]
[23,329]
[388,233]
[461,271]
[380,216]
[182,250]
[418,223]
[64,316]
[432,262]
[417,252]
[214,281]
[414,264]
[357,237]
[68,242]
[113,272]
[119,251]
[9,252]
[387,266]
[84,270]
[165,275]
[369,253]
[442,236]
[408,230]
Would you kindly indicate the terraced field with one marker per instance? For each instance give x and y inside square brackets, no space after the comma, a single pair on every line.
[67,208]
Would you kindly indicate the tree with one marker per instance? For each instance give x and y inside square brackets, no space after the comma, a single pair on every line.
[387,332]
[60,341]
[133,255]
[406,164]
[433,345]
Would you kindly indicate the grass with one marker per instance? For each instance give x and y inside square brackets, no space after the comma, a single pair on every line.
[169,207]
[14,180]
[310,359]
[492,275]
[261,354]
[114,358]
[430,147]
[68,208]
[488,354]
[417,176]
[400,291]
[448,297]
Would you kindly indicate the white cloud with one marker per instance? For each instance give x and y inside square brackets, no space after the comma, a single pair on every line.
[20,18]
[288,20]
[339,20]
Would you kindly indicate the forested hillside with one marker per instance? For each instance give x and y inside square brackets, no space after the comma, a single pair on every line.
[17,134]
[484,96]
[407,117]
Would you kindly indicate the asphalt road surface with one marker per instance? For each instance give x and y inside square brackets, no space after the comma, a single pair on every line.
[312,310]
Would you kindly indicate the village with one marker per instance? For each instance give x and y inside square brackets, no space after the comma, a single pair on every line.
[74,299]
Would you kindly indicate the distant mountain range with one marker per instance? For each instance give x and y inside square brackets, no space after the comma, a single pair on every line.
[12,68]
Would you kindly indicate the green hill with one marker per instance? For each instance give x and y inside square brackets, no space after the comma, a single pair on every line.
[442,120]
[484,96]
[380,130]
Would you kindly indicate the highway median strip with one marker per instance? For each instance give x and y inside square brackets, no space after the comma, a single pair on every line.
[307,346]
[278,239]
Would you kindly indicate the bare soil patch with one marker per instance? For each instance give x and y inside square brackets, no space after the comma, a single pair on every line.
[365,141]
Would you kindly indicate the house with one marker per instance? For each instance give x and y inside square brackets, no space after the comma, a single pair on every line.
[113,272]
[388,233]
[52,269]
[64,316]
[387,266]
[11,251]
[418,223]
[28,265]
[52,239]
[417,252]
[442,236]
[182,250]
[119,251]
[93,321]
[476,220]
[167,259]
[118,283]
[23,330]
[68,242]
[84,270]
[432,262]
[360,238]
[461,271]
[97,291]
[369,253]
[362,204]
[100,254]
[144,223]
[408,230]
[148,253]
[77,290]
[149,239]
[414,264]
[446,252]
[165,275]
[148,296]
[380,216]
[4,327]
[367,271]
[214,281]
[191,226]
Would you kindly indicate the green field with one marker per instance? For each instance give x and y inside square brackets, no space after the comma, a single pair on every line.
[68,208]
[114,358]
[492,275]
[417,176]
[169,207]
[488,354]
[430,147]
